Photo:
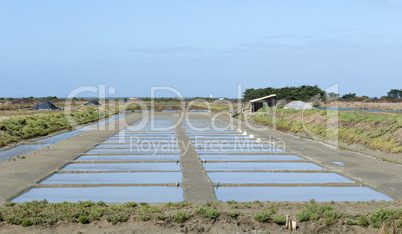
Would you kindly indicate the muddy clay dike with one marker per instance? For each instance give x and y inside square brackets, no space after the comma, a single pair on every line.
[200,163]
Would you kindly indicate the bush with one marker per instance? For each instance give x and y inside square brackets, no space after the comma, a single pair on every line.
[83,219]
[262,217]
[144,217]
[13,219]
[233,214]
[351,222]
[307,215]
[114,219]
[149,209]
[160,216]
[278,219]
[363,221]
[211,213]
[10,203]
[86,203]
[384,215]
[331,217]
[101,204]
[131,204]
[26,223]
[200,210]
[181,217]
[173,206]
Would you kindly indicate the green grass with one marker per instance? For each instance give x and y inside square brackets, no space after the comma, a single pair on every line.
[44,213]
[372,130]
[233,214]
[181,217]
[144,217]
[384,215]
[18,128]
[363,221]
[174,206]
[264,216]
[208,212]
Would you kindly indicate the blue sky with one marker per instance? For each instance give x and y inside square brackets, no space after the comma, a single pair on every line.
[50,48]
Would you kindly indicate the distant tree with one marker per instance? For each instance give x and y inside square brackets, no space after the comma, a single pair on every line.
[50,98]
[349,96]
[394,93]
[304,92]
[332,96]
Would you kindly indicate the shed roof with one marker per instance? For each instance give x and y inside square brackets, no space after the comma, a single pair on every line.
[262,98]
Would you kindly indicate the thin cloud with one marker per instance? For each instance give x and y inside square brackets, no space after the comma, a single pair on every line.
[278,36]
[169,50]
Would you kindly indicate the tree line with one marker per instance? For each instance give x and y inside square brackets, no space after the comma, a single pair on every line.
[307,92]
[303,93]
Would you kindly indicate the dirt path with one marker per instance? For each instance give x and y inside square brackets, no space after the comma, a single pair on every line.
[197,187]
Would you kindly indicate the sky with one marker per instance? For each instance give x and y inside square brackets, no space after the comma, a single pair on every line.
[198,48]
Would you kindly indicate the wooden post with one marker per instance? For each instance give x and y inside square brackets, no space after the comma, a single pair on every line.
[294,226]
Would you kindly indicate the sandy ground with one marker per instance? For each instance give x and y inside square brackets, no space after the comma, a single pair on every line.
[244,223]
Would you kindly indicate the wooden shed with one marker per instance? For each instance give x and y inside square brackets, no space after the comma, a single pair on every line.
[267,101]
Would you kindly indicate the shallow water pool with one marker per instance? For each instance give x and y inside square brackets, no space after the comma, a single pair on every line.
[255,166]
[149,194]
[115,178]
[123,167]
[299,194]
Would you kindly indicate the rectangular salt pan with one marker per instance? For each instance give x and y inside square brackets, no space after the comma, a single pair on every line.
[267,166]
[275,178]
[123,167]
[217,138]
[214,135]
[150,157]
[137,146]
[134,141]
[139,136]
[235,145]
[209,132]
[149,194]
[299,194]
[223,157]
[133,151]
[115,178]
[227,141]
[240,150]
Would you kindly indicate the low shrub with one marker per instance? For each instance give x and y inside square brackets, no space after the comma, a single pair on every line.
[181,217]
[279,219]
[144,217]
[262,217]
[384,215]
[114,219]
[233,214]
[160,216]
[83,219]
[26,222]
[211,213]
